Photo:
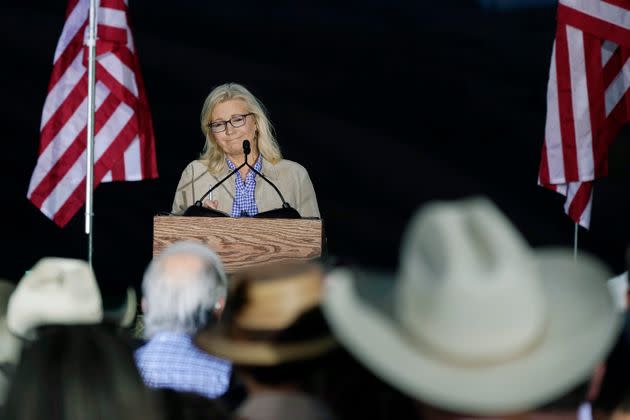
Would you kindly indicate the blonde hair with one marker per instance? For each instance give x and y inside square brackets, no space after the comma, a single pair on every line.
[212,155]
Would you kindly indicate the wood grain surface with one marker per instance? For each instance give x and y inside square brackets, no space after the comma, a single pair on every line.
[243,242]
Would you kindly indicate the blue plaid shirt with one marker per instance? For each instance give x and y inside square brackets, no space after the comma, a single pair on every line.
[171,360]
[244,200]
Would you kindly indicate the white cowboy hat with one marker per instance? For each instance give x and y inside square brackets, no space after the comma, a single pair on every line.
[54,291]
[476,321]
[9,344]
[61,291]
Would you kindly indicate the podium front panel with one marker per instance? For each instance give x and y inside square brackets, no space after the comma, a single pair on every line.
[243,243]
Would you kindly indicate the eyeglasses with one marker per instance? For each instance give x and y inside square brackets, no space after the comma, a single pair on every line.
[235,121]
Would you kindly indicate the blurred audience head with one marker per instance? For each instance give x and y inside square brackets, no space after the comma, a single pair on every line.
[56,291]
[622,410]
[62,291]
[179,405]
[184,289]
[475,321]
[78,372]
[9,343]
[274,333]
[273,319]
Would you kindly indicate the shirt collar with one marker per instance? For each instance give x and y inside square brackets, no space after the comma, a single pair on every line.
[268,169]
[172,337]
[257,164]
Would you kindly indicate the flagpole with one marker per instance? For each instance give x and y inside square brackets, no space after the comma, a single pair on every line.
[89,179]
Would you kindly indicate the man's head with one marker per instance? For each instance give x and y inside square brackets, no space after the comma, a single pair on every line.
[184,287]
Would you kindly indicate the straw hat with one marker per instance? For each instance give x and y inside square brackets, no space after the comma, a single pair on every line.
[273,317]
[475,321]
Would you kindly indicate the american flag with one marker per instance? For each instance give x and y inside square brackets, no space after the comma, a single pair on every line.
[124,144]
[588,98]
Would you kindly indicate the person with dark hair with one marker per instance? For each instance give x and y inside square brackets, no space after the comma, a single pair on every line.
[275,335]
[180,405]
[55,291]
[79,372]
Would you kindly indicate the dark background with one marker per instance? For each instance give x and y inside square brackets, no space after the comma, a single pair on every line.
[388,104]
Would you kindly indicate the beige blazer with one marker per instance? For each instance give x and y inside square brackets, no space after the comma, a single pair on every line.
[290,177]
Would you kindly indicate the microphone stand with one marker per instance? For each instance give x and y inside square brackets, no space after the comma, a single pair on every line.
[246,150]
[199,202]
[292,213]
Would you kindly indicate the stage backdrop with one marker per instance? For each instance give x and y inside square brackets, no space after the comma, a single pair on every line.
[388,105]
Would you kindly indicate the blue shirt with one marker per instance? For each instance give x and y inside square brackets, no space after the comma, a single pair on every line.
[171,360]
[244,199]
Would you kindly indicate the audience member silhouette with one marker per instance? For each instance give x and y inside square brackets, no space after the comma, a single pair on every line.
[79,372]
[274,333]
[9,344]
[191,406]
[72,361]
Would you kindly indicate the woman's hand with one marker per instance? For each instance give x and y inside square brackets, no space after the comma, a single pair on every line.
[211,204]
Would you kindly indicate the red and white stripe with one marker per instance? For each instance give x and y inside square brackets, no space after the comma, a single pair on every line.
[588,98]
[124,143]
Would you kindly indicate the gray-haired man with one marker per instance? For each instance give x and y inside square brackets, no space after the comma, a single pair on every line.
[184,290]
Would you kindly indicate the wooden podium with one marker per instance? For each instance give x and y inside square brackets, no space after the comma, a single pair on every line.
[244,242]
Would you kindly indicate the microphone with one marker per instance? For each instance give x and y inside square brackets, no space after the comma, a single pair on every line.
[246,148]
[286,212]
[246,151]
[198,209]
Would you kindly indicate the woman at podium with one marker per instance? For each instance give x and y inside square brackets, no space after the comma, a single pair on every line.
[240,142]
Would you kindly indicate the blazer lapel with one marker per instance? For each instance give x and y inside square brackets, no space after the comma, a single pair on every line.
[266,197]
[269,170]
[224,194]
